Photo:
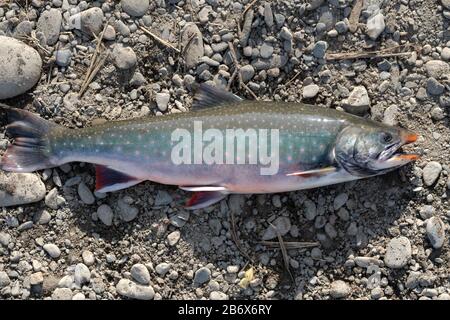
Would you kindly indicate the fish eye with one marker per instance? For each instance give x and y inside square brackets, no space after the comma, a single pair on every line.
[386,137]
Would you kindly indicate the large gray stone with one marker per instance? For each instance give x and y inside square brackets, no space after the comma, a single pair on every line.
[20,188]
[135,8]
[20,67]
[195,50]
[49,24]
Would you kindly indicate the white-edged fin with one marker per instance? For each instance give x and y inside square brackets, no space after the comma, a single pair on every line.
[109,180]
[209,96]
[203,199]
[312,173]
[203,188]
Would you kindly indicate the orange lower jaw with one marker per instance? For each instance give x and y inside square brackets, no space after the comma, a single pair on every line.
[410,137]
[407,157]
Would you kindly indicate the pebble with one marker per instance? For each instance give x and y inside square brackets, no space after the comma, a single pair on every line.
[53,200]
[320,48]
[135,8]
[124,58]
[434,87]
[431,172]
[62,294]
[131,290]
[79,296]
[49,23]
[310,91]
[88,258]
[110,33]
[52,250]
[85,194]
[217,295]
[82,274]
[63,57]
[268,15]
[266,51]
[437,69]
[173,238]
[398,253]
[4,279]
[126,211]
[358,101]
[36,278]
[20,67]
[5,239]
[445,54]
[310,211]
[375,26]
[339,289]
[202,275]
[105,214]
[140,273]
[89,21]
[162,100]
[162,268]
[195,51]
[435,229]
[247,72]
[20,188]
[282,225]
[340,200]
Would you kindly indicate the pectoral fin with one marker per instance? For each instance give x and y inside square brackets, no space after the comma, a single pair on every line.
[203,199]
[312,173]
[108,180]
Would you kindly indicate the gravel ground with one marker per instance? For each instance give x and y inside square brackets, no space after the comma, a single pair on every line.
[380,238]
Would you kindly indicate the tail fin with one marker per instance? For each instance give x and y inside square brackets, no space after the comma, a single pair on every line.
[29,151]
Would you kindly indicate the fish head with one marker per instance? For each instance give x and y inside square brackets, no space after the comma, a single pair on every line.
[373,149]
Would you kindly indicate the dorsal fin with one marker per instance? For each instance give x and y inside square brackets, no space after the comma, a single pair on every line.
[209,96]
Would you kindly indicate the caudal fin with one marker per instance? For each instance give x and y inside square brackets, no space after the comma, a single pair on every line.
[29,151]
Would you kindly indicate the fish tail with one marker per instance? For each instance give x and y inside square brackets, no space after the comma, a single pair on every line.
[30,150]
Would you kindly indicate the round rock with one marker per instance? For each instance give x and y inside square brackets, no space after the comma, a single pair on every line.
[310,91]
[20,188]
[431,172]
[82,274]
[135,8]
[140,273]
[124,58]
[105,214]
[436,232]
[49,24]
[339,289]
[131,290]
[202,275]
[20,67]
[398,253]
[52,250]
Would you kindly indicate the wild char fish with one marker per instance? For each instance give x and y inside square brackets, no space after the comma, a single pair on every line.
[316,147]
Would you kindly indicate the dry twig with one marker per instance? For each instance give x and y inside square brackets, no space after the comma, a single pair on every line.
[383,53]
[290,244]
[283,252]
[96,62]
[162,41]
[237,67]
[236,238]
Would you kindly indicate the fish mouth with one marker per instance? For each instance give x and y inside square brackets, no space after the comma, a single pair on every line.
[394,157]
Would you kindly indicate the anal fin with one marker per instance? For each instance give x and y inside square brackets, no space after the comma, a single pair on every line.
[203,199]
[108,180]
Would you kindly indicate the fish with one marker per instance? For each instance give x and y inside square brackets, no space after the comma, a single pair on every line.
[267,147]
